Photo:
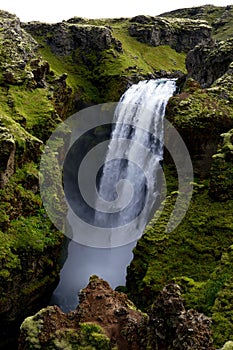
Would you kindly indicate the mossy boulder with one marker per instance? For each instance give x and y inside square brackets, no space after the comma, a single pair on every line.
[228,346]
[7,156]
[171,326]
[51,329]
[106,319]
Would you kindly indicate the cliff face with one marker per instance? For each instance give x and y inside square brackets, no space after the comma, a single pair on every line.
[181,34]
[207,63]
[33,100]
[66,37]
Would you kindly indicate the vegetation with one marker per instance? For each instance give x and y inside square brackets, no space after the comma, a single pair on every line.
[39,87]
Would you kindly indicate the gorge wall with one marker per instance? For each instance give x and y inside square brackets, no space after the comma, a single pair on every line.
[50,71]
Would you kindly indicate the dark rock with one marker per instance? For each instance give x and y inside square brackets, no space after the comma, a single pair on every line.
[220,18]
[207,63]
[67,37]
[221,175]
[15,57]
[141,19]
[180,34]
[172,327]
[200,118]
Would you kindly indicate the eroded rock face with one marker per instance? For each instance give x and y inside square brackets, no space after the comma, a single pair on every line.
[200,116]
[14,59]
[180,34]
[207,63]
[173,327]
[65,38]
[7,156]
[118,323]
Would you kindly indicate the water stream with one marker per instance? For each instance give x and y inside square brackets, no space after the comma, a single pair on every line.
[129,175]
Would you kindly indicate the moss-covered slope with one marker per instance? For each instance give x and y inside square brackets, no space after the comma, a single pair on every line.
[100,56]
[44,77]
[33,99]
[198,253]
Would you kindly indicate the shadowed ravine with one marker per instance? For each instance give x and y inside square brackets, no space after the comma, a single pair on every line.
[130,183]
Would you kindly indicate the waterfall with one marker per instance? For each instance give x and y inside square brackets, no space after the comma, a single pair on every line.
[128,188]
[129,180]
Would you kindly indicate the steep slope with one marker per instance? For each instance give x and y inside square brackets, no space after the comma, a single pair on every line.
[100,57]
[198,253]
[42,81]
[32,101]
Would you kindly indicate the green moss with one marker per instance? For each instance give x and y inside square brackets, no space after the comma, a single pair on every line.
[24,224]
[145,58]
[89,336]
[78,74]
[221,176]
[197,108]
[34,110]
[97,78]
[32,329]
[228,346]
[193,249]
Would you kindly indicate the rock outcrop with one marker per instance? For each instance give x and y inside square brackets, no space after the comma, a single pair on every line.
[200,116]
[207,63]
[14,62]
[180,34]
[7,156]
[66,37]
[106,319]
[220,18]
[173,327]
[33,100]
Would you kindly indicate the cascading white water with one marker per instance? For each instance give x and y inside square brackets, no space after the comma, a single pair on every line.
[128,189]
[139,118]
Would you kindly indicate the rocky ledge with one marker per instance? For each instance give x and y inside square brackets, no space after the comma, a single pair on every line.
[106,319]
[180,34]
[65,38]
